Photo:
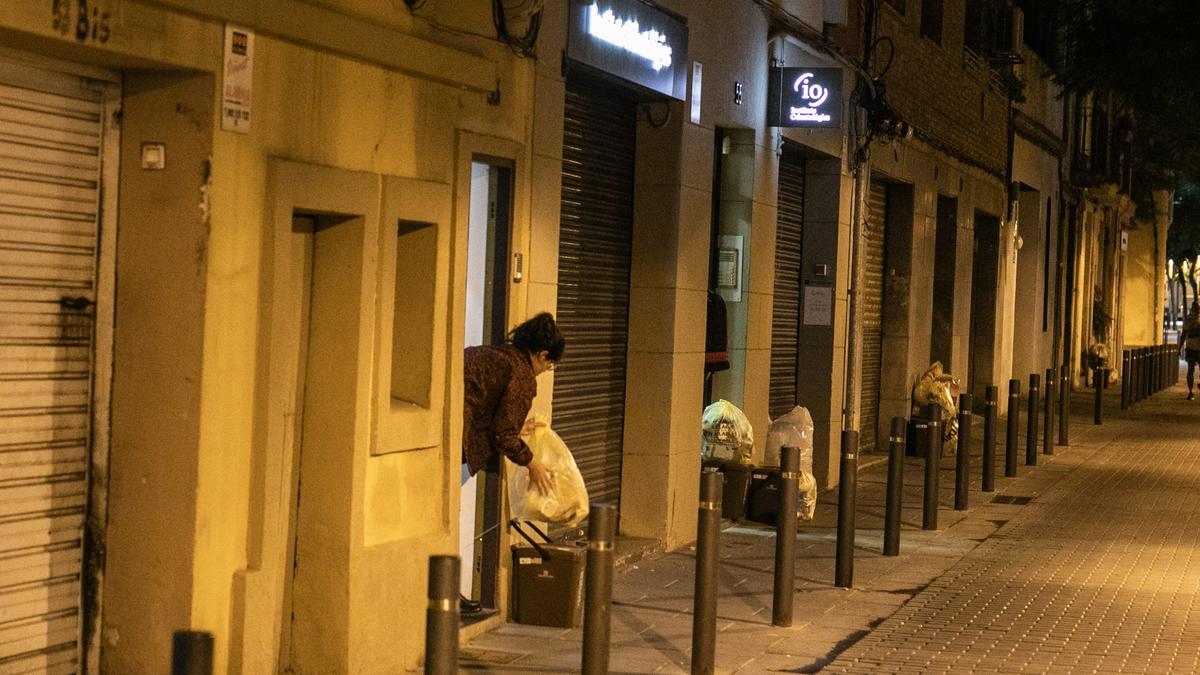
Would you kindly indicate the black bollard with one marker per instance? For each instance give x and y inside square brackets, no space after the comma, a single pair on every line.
[1031,428]
[1014,420]
[962,459]
[1097,374]
[847,496]
[1126,394]
[708,547]
[597,598]
[1064,406]
[191,653]
[895,489]
[441,616]
[989,438]
[1048,415]
[785,536]
[933,461]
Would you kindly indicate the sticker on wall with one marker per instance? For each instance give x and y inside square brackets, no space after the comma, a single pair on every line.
[237,83]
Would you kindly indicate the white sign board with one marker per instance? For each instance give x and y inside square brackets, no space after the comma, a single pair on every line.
[818,305]
[237,83]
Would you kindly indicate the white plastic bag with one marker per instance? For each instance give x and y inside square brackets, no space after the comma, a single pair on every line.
[568,501]
[726,434]
[795,428]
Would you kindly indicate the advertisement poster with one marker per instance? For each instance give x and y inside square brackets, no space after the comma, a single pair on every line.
[237,83]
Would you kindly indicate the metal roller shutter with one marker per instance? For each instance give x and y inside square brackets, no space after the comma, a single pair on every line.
[872,316]
[785,313]
[595,243]
[50,149]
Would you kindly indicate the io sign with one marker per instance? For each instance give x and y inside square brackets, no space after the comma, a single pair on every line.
[805,97]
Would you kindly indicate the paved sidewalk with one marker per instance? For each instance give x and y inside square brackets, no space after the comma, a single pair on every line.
[1096,564]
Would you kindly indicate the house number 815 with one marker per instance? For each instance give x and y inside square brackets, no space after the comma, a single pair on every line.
[81,19]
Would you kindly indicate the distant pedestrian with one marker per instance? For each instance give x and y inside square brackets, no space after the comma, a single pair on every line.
[1189,344]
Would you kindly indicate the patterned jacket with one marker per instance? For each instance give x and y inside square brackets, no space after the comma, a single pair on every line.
[499,386]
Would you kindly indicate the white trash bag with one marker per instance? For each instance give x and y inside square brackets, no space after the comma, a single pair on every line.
[726,434]
[568,501]
[795,428]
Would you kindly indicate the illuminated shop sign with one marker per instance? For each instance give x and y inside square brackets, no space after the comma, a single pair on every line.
[805,97]
[633,41]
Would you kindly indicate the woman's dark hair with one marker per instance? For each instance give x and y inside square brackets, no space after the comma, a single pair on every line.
[539,334]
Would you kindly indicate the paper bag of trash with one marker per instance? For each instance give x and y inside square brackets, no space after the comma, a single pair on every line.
[568,500]
[941,388]
[726,434]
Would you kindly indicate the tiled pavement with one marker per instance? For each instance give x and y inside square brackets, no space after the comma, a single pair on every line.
[1097,573]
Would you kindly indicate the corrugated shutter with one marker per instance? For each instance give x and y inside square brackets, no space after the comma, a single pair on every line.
[49,208]
[872,316]
[785,313]
[595,242]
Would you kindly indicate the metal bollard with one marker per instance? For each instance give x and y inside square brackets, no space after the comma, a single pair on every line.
[989,438]
[1031,429]
[1064,406]
[1096,374]
[191,653]
[785,536]
[441,616]
[1048,415]
[1014,420]
[962,459]
[708,547]
[1126,394]
[847,498]
[933,461]
[597,598]
[895,489]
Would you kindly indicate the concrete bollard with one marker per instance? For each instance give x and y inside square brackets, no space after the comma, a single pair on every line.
[991,394]
[847,498]
[708,548]
[191,653]
[1048,415]
[441,616]
[933,461]
[895,489]
[1031,429]
[597,598]
[785,536]
[962,459]
[1014,420]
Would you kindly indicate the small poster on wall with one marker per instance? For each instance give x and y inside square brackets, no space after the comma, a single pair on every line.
[237,83]
[818,305]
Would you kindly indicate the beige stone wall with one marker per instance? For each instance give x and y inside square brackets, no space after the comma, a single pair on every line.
[202,486]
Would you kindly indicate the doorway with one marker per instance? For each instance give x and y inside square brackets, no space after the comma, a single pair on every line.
[323,462]
[486,323]
[941,341]
[985,272]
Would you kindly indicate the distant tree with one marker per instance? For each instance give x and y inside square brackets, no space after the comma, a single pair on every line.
[1183,239]
[1148,53]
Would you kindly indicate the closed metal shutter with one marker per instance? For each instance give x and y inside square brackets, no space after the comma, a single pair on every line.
[785,313]
[595,243]
[872,316]
[50,149]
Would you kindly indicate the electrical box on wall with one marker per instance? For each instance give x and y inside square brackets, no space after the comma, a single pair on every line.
[729,267]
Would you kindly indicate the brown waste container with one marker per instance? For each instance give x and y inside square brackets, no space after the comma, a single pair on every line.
[547,582]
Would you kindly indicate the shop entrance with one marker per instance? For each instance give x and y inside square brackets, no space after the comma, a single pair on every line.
[985,272]
[594,259]
[55,150]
